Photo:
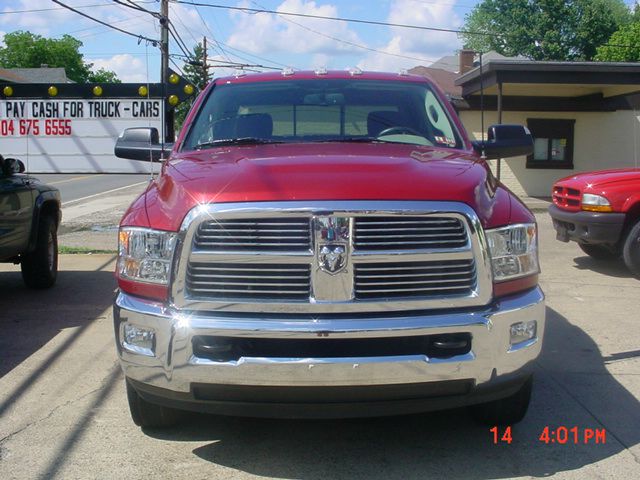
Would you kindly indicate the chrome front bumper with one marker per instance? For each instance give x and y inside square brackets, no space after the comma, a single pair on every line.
[173,368]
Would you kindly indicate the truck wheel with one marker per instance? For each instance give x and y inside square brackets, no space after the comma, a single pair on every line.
[631,250]
[600,252]
[150,415]
[505,411]
[40,267]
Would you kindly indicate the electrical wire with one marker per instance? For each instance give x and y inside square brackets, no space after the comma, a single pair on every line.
[339,19]
[347,42]
[139,37]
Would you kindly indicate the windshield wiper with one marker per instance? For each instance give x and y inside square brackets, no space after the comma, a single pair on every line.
[349,140]
[235,141]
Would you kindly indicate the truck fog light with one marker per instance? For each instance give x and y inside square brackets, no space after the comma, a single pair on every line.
[523,331]
[138,340]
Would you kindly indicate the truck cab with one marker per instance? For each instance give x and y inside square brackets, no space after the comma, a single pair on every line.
[327,244]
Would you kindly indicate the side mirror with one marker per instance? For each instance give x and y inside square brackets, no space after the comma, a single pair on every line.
[141,143]
[504,141]
[11,166]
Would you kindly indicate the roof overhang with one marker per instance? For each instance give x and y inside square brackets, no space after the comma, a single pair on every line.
[593,86]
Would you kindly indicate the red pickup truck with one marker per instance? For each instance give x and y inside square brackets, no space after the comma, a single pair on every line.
[326,244]
[601,211]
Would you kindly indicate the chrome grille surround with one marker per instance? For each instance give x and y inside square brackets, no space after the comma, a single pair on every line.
[333,259]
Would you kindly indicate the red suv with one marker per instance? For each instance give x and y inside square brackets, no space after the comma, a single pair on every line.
[601,211]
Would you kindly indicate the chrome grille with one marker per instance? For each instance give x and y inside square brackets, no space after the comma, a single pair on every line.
[254,234]
[414,279]
[249,281]
[323,257]
[408,233]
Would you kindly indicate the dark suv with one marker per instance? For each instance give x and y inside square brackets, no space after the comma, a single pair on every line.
[29,219]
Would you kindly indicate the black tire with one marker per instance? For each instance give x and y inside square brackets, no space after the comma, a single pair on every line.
[631,250]
[505,411]
[600,252]
[40,267]
[150,415]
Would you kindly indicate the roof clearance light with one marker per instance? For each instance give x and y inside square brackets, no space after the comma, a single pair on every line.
[595,203]
[8,91]
[173,100]
[97,90]
[143,91]
[173,78]
[52,91]
[188,89]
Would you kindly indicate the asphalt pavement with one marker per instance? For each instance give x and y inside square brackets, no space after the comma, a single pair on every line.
[63,409]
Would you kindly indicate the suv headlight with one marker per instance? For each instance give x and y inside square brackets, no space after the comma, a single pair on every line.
[144,255]
[595,203]
[513,251]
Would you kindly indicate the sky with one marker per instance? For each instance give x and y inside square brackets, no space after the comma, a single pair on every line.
[261,40]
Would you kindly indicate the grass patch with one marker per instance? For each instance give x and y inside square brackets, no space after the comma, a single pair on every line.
[63,250]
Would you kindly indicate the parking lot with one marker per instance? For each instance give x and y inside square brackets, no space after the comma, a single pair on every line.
[64,414]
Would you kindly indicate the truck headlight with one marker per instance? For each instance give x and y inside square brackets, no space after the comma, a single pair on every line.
[513,251]
[144,255]
[595,203]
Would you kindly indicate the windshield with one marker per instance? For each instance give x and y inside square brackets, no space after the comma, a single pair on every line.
[326,110]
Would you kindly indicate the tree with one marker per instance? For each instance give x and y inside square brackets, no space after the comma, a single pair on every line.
[103,76]
[27,50]
[544,29]
[623,46]
[197,74]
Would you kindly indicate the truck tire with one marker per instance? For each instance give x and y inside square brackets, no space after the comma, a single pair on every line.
[631,250]
[40,267]
[600,252]
[150,415]
[505,411]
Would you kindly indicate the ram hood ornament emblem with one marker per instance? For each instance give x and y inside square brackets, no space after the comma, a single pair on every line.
[332,258]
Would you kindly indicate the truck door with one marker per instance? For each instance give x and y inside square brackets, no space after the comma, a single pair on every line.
[16,213]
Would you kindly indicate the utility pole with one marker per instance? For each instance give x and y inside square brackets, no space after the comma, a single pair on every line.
[205,67]
[164,67]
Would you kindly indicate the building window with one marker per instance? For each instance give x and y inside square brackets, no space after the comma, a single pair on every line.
[552,143]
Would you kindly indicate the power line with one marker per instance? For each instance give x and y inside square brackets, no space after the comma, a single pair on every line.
[37,10]
[139,37]
[347,42]
[213,37]
[338,19]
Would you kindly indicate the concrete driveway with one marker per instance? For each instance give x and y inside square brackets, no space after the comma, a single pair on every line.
[63,410]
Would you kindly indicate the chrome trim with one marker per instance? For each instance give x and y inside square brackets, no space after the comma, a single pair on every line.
[329,296]
[175,366]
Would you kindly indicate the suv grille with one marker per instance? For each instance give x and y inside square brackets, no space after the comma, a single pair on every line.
[568,198]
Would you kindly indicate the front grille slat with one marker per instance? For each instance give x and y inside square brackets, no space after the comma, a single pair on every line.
[226,281]
[408,233]
[261,234]
[414,279]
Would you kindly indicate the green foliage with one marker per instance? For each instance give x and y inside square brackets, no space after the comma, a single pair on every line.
[27,50]
[198,76]
[623,46]
[544,29]
[103,76]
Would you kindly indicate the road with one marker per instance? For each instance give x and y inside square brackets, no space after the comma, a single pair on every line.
[80,187]
[64,414]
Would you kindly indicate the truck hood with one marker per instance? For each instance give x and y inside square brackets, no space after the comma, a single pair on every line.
[320,171]
[600,178]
